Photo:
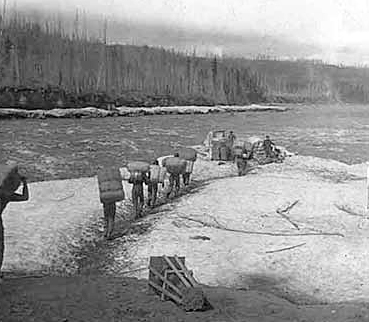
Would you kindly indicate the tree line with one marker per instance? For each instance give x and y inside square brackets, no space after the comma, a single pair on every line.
[42,66]
[38,56]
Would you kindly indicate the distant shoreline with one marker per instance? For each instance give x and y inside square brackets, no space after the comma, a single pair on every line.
[92,112]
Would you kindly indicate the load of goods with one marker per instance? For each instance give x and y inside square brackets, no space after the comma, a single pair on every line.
[224,147]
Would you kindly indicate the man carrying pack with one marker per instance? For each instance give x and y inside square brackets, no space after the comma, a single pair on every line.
[174,181]
[111,191]
[137,179]
[268,144]
[241,162]
[152,189]
[5,198]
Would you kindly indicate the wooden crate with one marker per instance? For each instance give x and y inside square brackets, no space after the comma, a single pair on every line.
[170,279]
[160,265]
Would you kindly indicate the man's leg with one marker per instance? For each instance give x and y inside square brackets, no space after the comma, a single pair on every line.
[150,192]
[135,200]
[177,182]
[244,167]
[154,193]
[106,216]
[141,199]
[186,179]
[239,166]
[1,247]
[111,219]
[183,178]
[171,185]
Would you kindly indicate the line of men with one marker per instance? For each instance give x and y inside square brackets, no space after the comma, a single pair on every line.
[137,193]
[174,185]
[138,199]
[109,208]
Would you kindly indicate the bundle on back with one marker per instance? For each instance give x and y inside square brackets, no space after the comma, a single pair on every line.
[237,151]
[175,165]
[10,179]
[240,144]
[157,173]
[138,166]
[188,154]
[110,185]
[136,177]
[137,170]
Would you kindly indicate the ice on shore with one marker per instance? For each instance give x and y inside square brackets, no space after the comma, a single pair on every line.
[43,233]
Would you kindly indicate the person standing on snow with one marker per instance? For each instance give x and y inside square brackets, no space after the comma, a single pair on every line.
[138,192]
[241,162]
[268,144]
[174,181]
[4,200]
[152,189]
[231,138]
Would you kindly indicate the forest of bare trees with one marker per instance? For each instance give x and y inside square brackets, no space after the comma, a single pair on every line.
[42,66]
[42,56]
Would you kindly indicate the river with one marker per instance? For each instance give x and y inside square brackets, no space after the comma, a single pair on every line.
[71,148]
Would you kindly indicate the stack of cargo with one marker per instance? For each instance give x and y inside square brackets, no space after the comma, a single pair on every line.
[215,144]
[110,185]
[258,150]
[224,150]
[259,153]
[190,155]
[218,135]
[215,150]
[220,147]
[137,169]
[10,179]
[175,165]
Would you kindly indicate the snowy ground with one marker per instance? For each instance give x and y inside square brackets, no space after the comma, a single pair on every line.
[44,233]
[323,268]
[41,234]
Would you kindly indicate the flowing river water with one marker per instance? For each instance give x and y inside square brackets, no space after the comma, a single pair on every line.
[71,148]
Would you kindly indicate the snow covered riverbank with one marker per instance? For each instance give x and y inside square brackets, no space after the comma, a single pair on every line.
[331,255]
[42,233]
[92,112]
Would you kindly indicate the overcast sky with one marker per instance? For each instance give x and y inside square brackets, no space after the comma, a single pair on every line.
[337,26]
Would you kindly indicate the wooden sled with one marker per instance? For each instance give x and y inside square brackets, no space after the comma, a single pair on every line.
[170,279]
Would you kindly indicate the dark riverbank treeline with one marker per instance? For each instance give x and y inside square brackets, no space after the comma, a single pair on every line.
[73,71]
[43,67]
